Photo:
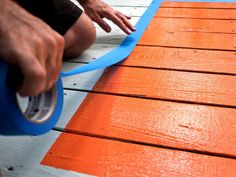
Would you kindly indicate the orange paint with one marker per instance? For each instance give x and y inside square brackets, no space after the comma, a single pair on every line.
[139,113]
[185,126]
[111,158]
[229,14]
[183,59]
[220,5]
[193,25]
[165,34]
[174,85]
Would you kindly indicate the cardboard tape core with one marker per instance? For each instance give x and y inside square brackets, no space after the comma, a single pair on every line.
[38,109]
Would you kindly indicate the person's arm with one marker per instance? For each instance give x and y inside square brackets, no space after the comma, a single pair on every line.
[97,10]
[28,42]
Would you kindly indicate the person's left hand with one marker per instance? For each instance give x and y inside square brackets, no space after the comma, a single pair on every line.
[97,10]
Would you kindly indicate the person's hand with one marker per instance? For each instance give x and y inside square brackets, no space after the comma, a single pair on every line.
[29,43]
[97,10]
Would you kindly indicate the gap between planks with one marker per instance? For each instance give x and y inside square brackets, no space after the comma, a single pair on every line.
[129,141]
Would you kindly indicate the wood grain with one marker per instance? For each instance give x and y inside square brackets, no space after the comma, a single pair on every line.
[111,158]
[165,34]
[182,86]
[219,5]
[193,127]
[182,59]
[171,25]
[229,14]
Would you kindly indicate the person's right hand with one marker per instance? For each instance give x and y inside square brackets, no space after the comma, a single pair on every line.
[28,42]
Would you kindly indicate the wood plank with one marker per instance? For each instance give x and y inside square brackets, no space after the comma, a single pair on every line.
[112,158]
[193,25]
[186,126]
[127,3]
[94,52]
[182,59]
[218,5]
[159,84]
[229,14]
[114,3]
[72,100]
[162,34]
[20,156]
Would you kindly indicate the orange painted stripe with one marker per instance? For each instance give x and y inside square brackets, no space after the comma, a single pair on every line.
[197,13]
[110,158]
[182,86]
[222,5]
[183,59]
[186,126]
[162,34]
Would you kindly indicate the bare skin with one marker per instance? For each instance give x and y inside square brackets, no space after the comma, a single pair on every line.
[79,37]
[29,43]
[97,10]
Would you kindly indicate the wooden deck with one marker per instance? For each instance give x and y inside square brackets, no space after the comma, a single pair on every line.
[168,110]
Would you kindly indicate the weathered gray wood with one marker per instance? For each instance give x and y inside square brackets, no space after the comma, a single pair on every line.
[20,156]
[84,81]
[95,51]
[136,3]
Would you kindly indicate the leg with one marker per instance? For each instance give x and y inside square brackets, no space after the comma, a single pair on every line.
[79,37]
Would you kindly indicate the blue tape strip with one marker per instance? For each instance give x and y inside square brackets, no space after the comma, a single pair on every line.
[124,49]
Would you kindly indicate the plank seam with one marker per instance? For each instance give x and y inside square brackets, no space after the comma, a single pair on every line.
[140,96]
[166,69]
[194,151]
[229,19]
[192,48]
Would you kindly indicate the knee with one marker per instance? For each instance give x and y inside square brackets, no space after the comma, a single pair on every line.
[79,37]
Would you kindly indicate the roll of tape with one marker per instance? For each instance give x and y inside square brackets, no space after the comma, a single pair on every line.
[40,115]
[42,112]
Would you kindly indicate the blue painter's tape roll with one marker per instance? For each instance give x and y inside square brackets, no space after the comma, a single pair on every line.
[40,115]
[42,112]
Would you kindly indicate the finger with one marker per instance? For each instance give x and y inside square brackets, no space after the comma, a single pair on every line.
[61,44]
[126,21]
[103,24]
[127,16]
[34,77]
[51,64]
[54,60]
[115,19]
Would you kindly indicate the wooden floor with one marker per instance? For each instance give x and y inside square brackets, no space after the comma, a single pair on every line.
[168,110]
